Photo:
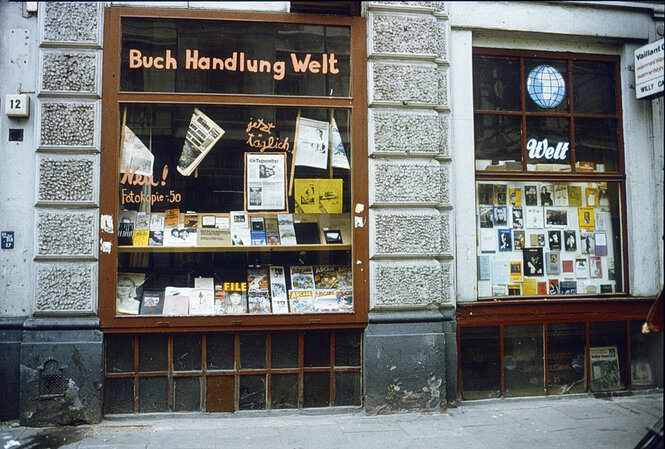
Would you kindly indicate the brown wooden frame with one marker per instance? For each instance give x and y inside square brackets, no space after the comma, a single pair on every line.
[113,98]
[573,176]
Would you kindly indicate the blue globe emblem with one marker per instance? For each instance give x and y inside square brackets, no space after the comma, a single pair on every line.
[546,86]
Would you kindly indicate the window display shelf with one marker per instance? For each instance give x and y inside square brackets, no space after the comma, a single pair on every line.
[232,249]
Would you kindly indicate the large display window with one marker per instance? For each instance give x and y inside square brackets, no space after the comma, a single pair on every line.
[232,171]
[549,174]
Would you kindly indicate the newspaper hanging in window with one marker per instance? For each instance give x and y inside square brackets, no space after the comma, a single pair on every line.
[312,144]
[202,135]
[135,157]
[265,181]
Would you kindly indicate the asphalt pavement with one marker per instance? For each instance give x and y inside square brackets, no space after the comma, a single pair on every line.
[574,421]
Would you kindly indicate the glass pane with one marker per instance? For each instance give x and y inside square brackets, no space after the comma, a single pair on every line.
[252,351]
[546,85]
[566,358]
[608,354]
[252,392]
[347,389]
[549,238]
[186,352]
[119,353]
[496,83]
[480,361]
[284,391]
[177,202]
[220,394]
[646,358]
[187,394]
[169,55]
[548,144]
[498,142]
[594,87]
[118,396]
[153,394]
[220,352]
[596,145]
[317,349]
[316,389]
[284,349]
[523,360]
[347,348]
[153,353]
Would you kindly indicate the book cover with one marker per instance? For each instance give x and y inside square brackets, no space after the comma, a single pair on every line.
[568,287]
[325,277]
[180,236]
[546,192]
[515,196]
[542,287]
[176,304]
[500,271]
[553,287]
[486,194]
[287,233]
[171,217]
[202,301]
[141,237]
[590,288]
[605,374]
[552,265]
[500,215]
[488,243]
[499,289]
[500,194]
[257,280]
[156,238]
[128,293]
[560,194]
[236,299]
[529,286]
[574,196]
[258,230]
[554,238]
[325,300]
[587,218]
[581,269]
[344,277]
[331,194]
[214,237]
[518,240]
[302,277]
[486,217]
[333,236]
[556,217]
[570,240]
[272,230]
[152,302]
[142,221]
[587,243]
[530,195]
[277,275]
[533,217]
[606,288]
[306,196]
[533,261]
[567,266]
[345,300]
[191,219]
[514,289]
[220,299]
[591,196]
[335,222]
[595,267]
[301,301]
[518,217]
[505,240]
[515,271]
[307,233]
[258,302]
[208,221]
[126,220]
[600,244]
[240,233]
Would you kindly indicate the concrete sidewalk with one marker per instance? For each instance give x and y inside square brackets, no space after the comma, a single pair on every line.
[579,421]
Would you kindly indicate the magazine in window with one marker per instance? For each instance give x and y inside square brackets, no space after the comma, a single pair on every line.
[265,181]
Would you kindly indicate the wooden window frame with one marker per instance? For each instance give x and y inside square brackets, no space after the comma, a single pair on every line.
[618,176]
[112,100]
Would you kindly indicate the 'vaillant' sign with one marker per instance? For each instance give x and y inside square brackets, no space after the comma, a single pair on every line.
[649,73]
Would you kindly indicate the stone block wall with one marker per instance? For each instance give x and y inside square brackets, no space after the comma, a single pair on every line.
[68,121]
[411,213]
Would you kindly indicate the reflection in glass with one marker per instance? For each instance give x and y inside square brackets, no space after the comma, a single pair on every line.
[186,352]
[593,87]
[523,360]
[153,353]
[252,394]
[597,144]
[480,361]
[496,83]
[566,359]
[153,394]
[646,358]
[498,142]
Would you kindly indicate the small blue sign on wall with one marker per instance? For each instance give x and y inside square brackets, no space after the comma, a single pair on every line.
[7,239]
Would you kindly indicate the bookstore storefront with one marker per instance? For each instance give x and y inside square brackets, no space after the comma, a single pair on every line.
[553,315]
[233,169]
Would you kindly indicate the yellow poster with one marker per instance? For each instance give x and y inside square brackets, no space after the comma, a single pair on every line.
[587,218]
[306,196]
[330,196]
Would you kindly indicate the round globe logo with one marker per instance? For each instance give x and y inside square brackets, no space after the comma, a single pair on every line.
[545,86]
